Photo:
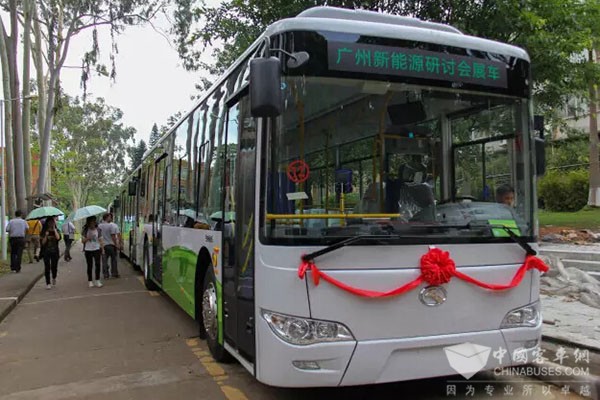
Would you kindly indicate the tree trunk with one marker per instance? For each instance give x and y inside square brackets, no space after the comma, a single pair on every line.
[16,108]
[46,136]
[7,174]
[27,6]
[8,160]
[38,60]
[57,59]
[594,194]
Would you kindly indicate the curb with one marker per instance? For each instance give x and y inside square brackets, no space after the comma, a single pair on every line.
[555,340]
[4,313]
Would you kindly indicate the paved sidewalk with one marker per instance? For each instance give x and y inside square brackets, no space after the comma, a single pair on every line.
[13,287]
[570,247]
[112,343]
[572,321]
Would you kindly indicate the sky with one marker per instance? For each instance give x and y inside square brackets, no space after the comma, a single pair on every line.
[151,83]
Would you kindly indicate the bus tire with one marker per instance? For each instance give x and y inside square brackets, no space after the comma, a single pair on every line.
[210,318]
[133,260]
[148,282]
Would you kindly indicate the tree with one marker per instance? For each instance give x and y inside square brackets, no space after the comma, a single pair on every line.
[137,153]
[552,31]
[10,46]
[6,105]
[154,135]
[89,147]
[63,21]
[49,27]
[172,120]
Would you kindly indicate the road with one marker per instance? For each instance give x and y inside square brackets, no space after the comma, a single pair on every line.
[123,342]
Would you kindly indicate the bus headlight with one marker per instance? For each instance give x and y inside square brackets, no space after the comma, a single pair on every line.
[527,316]
[303,331]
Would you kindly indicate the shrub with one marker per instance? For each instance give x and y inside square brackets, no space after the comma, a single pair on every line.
[564,191]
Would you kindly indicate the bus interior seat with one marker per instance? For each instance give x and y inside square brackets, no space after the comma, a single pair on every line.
[409,192]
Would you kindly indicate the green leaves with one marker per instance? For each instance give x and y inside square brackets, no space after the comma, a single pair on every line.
[556,33]
[89,149]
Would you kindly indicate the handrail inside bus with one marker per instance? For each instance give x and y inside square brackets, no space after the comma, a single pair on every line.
[328,216]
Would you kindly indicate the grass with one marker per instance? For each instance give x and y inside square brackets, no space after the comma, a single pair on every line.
[587,218]
[4,267]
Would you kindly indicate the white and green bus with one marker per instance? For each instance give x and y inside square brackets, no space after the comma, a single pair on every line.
[301,212]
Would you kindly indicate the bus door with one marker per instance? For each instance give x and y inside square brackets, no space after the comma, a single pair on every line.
[160,184]
[238,229]
[136,217]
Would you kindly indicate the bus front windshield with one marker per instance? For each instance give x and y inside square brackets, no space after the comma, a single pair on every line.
[416,164]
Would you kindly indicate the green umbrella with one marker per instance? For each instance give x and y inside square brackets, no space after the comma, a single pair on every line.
[229,216]
[84,212]
[43,212]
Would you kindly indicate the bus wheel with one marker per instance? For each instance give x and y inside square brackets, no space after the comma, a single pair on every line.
[148,282]
[210,322]
[133,260]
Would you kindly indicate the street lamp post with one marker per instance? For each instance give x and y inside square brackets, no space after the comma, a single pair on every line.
[3,177]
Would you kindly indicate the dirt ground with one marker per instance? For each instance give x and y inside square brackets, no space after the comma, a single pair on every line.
[567,235]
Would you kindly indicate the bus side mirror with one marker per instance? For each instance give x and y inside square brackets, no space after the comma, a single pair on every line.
[540,156]
[540,145]
[131,190]
[265,87]
[116,203]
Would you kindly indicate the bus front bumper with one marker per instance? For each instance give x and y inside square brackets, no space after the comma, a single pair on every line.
[378,361]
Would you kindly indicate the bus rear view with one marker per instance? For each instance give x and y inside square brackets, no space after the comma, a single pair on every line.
[395,203]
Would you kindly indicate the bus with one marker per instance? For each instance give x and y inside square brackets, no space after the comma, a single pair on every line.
[354,196]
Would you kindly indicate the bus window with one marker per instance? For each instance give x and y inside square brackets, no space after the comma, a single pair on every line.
[215,160]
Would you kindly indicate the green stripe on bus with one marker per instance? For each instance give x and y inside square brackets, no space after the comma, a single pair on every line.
[179,275]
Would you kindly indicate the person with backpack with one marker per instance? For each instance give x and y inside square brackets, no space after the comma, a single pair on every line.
[50,236]
[32,239]
[93,247]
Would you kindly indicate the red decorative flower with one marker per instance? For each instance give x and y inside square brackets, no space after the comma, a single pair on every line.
[437,267]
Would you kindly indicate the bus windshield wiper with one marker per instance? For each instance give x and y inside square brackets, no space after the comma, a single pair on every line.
[413,226]
[520,240]
[342,243]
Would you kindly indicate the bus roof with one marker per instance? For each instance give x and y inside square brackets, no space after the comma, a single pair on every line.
[371,23]
[361,22]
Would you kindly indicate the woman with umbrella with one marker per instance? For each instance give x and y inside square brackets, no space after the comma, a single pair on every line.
[93,246]
[50,236]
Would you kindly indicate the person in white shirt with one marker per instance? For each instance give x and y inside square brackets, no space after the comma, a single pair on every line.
[93,248]
[68,231]
[16,228]
[110,238]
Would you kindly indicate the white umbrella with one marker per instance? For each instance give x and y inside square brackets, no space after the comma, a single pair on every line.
[87,211]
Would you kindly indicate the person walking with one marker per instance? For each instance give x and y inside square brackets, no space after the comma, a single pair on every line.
[93,248]
[16,228]
[32,239]
[50,251]
[68,231]
[110,238]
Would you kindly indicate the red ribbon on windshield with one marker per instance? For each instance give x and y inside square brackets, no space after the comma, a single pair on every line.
[437,268]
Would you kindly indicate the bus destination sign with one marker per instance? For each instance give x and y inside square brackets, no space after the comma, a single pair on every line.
[367,58]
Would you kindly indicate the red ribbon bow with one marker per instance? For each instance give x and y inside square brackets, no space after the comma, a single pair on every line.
[437,268]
